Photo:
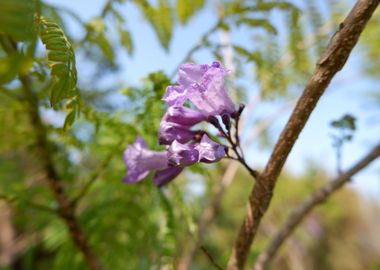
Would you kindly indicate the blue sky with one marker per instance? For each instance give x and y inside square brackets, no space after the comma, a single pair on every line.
[346,94]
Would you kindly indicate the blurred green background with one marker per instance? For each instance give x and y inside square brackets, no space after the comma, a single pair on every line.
[96,71]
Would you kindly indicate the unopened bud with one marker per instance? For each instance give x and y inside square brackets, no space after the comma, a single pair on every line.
[241,108]
[213,121]
[226,121]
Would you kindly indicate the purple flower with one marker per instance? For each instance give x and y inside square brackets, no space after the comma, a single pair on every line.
[176,124]
[182,154]
[184,116]
[210,151]
[206,151]
[170,132]
[175,95]
[203,85]
[166,175]
[140,160]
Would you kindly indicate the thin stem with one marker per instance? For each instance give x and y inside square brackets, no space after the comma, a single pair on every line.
[235,145]
[318,197]
[212,260]
[339,148]
[255,174]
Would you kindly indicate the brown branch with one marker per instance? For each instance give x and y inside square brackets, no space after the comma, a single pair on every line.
[332,60]
[66,210]
[209,256]
[318,197]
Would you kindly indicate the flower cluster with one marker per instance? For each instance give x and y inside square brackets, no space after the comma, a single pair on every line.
[203,87]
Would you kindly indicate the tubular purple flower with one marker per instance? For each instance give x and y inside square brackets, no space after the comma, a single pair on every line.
[169,132]
[167,175]
[182,154]
[140,160]
[210,151]
[176,124]
[203,85]
[184,116]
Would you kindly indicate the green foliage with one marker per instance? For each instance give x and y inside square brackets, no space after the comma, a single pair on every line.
[242,7]
[316,23]
[63,71]
[160,18]
[10,66]
[258,23]
[96,34]
[16,19]
[371,46]
[347,122]
[269,70]
[187,8]
[346,127]
[126,39]
[344,132]
[150,107]
[139,226]
[268,53]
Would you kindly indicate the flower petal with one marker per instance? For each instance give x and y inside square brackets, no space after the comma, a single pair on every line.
[191,73]
[170,131]
[210,151]
[175,95]
[140,160]
[209,95]
[165,176]
[182,154]
[184,116]
[203,85]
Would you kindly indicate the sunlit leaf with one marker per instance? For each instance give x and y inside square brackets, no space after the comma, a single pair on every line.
[62,66]
[187,8]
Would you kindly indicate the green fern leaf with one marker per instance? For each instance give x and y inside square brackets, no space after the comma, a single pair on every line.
[63,72]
